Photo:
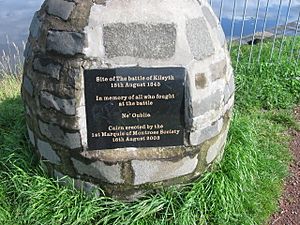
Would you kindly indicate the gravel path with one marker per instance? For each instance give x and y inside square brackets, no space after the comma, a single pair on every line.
[289,212]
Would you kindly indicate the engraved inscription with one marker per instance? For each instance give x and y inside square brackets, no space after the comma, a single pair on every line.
[134,107]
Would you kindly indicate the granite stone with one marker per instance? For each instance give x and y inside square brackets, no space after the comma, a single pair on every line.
[47,152]
[28,50]
[212,20]
[146,171]
[87,187]
[199,38]
[215,149]
[199,136]
[60,8]
[63,179]
[35,26]
[57,135]
[47,66]
[65,106]
[221,36]
[149,41]
[65,43]
[211,102]
[27,84]
[218,70]
[31,136]
[111,173]
[229,89]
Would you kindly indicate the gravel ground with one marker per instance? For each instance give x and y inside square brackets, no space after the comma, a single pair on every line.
[289,212]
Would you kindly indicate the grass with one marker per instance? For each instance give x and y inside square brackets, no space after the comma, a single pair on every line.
[242,189]
[268,84]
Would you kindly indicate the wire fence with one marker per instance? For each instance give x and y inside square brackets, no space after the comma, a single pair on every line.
[256,21]
[251,22]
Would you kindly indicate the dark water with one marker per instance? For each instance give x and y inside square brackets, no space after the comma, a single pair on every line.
[15,17]
[251,11]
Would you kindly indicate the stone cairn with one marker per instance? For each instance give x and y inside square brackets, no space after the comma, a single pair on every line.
[68,37]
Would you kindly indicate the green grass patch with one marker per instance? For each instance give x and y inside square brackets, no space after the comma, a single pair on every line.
[268,84]
[242,189]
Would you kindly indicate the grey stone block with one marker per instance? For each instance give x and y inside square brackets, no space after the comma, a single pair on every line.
[64,179]
[100,170]
[27,84]
[35,26]
[65,43]
[211,102]
[150,41]
[43,165]
[221,36]
[60,8]
[216,148]
[57,135]
[218,70]
[47,152]
[229,89]
[58,175]
[47,66]
[28,50]
[66,106]
[212,20]
[31,136]
[87,187]
[199,136]
[154,171]
[199,39]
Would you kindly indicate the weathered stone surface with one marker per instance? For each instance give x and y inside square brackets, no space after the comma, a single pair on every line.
[43,166]
[229,89]
[66,106]
[200,80]
[28,50]
[100,170]
[199,136]
[216,148]
[87,187]
[31,136]
[100,2]
[64,179]
[210,17]
[60,8]
[199,39]
[218,70]
[150,41]
[28,112]
[211,102]
[57,135]
[154,171]
[229,105]
[35,26]
[47,66]
[221,36]
[47,152]
[65,43]
[27,85]
[58,175]
[78,184]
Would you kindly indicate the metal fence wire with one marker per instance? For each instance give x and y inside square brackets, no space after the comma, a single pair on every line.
[258,21]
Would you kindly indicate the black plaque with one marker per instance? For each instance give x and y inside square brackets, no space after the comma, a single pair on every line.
[134,107]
